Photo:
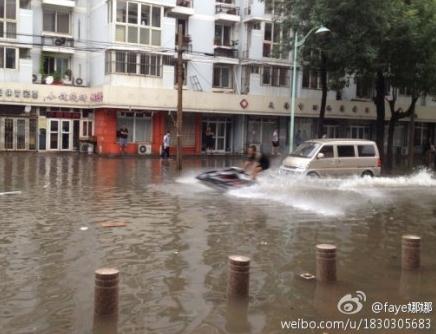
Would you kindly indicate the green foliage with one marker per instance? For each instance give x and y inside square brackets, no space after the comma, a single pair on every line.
[396,37]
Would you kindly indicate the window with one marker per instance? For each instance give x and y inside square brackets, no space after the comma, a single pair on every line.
[366,150]
[133,63]
[274,35]
[327,151]
[8,58]
[55,63]
[273,6]
[364,88]
[138,125]
[222,76]
[138,23]
[56,21]
[223,35]
[8,18]
[311,79]
[345,151]
[87,128]
[275,76]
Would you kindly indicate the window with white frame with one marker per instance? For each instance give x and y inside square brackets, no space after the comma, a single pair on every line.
[273,6]
[311,79]
[275,76]
[274,35]
[87,128]
[133,63]
[8,58]
[8,18]
[138,23]
[222,76]
[138,125]
[223,35]
[55,63]
[57,21]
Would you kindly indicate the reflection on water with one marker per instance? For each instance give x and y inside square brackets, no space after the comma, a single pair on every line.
[172,254]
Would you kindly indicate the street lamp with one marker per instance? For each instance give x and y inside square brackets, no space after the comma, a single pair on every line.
[298,44]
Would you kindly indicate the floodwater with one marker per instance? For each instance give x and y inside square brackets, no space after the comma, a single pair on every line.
[172,253]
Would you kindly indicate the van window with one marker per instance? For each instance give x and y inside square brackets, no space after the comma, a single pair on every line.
[306,150]
[345,151]
[366,150]
[327,151]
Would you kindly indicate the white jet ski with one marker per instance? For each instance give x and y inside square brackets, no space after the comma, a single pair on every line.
[229,178]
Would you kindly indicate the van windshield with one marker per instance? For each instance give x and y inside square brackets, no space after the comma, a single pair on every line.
[306,150]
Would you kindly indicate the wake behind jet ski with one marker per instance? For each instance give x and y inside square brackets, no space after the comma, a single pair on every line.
[235,177]
[227,178]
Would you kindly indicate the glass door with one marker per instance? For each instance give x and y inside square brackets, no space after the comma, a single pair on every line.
[53,127]
[9,134]
[220,136]
[66,135]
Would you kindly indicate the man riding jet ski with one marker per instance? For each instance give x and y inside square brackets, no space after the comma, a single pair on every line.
[235,177]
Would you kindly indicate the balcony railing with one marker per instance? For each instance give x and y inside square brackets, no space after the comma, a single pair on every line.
[228,53]
[226,9]
[57,41]
[218,42]
[184,3]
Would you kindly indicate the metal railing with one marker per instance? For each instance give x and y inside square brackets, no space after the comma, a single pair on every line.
[185,3]
[228,53]
[57,41]
[226,9]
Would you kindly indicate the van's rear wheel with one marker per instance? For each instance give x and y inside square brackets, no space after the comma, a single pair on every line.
[313,175]
[367,173]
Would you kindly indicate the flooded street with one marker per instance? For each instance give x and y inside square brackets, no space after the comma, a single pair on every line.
[172,253]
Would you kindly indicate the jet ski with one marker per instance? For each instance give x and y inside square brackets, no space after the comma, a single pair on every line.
[225,179]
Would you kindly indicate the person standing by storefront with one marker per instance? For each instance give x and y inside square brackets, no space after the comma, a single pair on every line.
[123,135]
[275,143]
[210,141]
[166,145]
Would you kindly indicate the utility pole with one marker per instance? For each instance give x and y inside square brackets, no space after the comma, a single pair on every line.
[179,123]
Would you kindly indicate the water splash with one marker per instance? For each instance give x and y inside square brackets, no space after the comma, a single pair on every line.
[331,197]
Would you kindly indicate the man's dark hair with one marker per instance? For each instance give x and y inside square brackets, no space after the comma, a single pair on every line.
[253,147]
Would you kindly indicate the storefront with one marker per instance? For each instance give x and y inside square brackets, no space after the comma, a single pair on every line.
[221,130]
[63,129]
[17,128]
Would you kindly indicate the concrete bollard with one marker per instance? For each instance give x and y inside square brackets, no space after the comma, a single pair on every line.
[325,263]
[238,279]
[106,292]
[410,252]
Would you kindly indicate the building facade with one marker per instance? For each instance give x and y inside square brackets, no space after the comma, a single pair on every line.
[73,72]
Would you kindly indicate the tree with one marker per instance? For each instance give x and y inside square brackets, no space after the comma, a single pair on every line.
[359,29]
[410,51]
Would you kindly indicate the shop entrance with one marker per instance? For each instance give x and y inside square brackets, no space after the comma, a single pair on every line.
[60,135]
[221,130]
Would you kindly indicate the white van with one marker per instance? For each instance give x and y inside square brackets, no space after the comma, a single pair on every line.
[334,157]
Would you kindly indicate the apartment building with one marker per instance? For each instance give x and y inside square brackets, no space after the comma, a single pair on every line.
[76,71]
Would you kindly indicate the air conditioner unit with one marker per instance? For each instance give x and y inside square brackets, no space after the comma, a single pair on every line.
[144,149]
[78,81]
[60,41]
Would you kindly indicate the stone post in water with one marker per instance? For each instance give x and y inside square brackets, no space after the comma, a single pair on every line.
[106,292]
[325,263]
[410,252]
[238,283]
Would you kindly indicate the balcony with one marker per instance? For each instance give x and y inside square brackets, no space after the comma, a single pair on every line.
[60,3]
[57,44]
[183,8]
[227,13]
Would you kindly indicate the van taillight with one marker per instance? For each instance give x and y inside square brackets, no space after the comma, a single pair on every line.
[379,163]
